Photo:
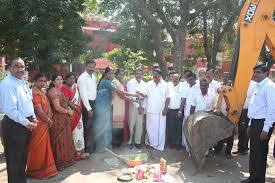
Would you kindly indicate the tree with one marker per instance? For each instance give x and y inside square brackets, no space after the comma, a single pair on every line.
[128,60]
[171,16]
[42,32]
[217,23]
[174,16]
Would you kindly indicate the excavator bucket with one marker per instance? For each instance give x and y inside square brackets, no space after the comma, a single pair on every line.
[203,130]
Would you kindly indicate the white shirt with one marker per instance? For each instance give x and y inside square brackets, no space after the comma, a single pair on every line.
[176,94]
[87,88]
[262,102]
[214,86]
[16,100]
[249,94]
[156,96]
[203,103]
[133,86]
[188,93]
[186,84]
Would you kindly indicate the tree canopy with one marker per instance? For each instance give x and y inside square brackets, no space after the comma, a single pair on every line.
[42,31]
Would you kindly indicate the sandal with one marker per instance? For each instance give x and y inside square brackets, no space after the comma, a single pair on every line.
[84,156]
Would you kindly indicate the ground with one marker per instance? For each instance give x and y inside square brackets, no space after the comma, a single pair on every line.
[104,168]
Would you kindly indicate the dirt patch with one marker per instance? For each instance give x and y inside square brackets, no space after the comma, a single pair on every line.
[104,168]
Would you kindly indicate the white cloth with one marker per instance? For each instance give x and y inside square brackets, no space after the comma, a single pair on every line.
[170,83]
[133,86]
[185,84]
[262,103]
[78,132]
[214,86]
[155,126]
[249,94]
[203,103]
[78,136]
[188,93]
[183,138]
[87,88]
[176,94]
[156,96]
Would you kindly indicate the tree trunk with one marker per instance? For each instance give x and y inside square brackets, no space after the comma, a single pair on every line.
[205,38]
[158,47]
[156,33]
[138,23]
[179,48]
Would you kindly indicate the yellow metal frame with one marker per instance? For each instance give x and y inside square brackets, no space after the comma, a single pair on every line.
[253,35]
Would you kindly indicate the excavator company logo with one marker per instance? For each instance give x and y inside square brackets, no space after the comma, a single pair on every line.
[250,13]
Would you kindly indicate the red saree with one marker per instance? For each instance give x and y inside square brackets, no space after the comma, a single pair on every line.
[40,158]
[61,135]
[70,94]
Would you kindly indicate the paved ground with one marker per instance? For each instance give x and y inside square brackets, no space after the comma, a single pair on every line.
[104,168]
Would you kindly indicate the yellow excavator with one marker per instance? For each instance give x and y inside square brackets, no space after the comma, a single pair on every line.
[256,28]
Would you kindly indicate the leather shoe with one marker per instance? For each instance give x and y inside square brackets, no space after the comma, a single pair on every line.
[240,152]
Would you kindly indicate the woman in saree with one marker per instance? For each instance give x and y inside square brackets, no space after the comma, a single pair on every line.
[69,89]
[120,110]
[41,163]
[61,135]
[103,110]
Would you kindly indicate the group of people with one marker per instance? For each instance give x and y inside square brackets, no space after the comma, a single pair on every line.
[48,128]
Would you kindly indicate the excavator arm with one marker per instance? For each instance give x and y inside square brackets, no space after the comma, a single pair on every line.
[256,28]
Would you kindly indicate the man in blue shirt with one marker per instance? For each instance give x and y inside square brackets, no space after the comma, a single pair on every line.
[18,122]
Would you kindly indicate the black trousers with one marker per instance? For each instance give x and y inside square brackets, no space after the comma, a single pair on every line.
[174,127]
[88,128]
[16,140]
[242,128]
[258,151]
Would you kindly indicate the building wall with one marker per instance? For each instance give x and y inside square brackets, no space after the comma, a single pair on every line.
[99,33]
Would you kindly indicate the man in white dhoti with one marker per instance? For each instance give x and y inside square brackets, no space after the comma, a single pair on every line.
[157,107]
[189,91]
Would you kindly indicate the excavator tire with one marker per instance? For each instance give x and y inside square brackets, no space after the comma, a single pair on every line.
[203,130]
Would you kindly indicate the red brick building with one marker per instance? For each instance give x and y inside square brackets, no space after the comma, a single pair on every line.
[99,32]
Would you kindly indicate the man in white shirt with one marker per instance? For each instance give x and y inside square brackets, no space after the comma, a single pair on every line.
[261,112]
[136,111]
[213,84]
[188,92]
[203,100]
[174,114]
[87,89]
[185,76]
[243,122]
[170,77]
[157,106]
[201,74]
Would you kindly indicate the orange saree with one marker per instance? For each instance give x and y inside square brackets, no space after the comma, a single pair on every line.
[41,162]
